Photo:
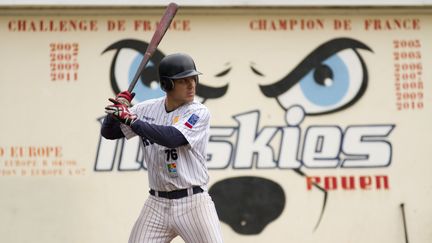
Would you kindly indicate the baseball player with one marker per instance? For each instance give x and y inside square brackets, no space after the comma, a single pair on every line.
[174,130]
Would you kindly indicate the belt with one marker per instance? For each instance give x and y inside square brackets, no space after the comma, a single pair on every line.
[177,193]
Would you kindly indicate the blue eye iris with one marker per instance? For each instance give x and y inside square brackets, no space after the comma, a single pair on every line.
[327,84]
[147,89]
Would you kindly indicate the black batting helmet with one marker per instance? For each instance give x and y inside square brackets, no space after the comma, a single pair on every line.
[176,66]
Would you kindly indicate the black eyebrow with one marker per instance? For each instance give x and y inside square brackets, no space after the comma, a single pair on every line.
[223,73]
[310,62]
[254,70]
[137,45]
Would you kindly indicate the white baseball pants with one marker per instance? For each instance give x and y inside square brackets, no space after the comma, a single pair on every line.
[193,218]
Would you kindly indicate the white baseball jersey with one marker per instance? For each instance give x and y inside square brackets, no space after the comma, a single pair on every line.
[181,167]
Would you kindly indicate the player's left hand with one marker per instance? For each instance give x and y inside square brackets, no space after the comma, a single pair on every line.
[121,113]
[124,98]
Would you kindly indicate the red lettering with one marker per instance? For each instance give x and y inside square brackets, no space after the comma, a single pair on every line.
[142,25]
[330,183]
[416,24]
[16,151]
[365,182]
[311,181]
[11,26]
[344,24]
[116,25]
[348,183]
[23,25]
[381,179]
[286,24]
[391,24]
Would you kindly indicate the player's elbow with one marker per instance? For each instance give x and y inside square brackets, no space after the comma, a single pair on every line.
[111,129]
[108,134]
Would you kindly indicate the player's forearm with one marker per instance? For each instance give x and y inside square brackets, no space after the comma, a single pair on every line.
[167,136]
[111,128]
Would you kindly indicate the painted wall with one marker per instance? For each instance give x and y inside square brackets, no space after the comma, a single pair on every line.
[215,3]
[320,120]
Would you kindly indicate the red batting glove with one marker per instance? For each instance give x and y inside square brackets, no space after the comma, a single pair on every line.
[121,113]
[124,98]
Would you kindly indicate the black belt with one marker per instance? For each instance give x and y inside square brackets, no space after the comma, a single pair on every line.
[177,193]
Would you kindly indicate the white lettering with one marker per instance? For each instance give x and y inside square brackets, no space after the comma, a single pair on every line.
[130,157]
[366,146]
[322,146]
[288,157]
[246,147]
[253,146]
[220,149]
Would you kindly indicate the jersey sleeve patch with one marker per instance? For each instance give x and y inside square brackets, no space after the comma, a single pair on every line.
[191,121]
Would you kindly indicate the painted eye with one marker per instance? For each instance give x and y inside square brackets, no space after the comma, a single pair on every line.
[331,78]
[126,61]
[334,83]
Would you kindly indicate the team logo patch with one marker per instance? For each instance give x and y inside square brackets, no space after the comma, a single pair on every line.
[172,168]
[175,119]
[192,121]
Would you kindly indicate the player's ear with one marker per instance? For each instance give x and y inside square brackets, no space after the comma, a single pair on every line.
[166,83]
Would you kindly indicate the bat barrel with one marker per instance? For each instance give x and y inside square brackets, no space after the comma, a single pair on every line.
[161,29]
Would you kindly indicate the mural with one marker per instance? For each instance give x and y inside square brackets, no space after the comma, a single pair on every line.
[329,79]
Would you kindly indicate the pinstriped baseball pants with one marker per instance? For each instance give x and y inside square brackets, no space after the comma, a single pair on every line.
[193,218]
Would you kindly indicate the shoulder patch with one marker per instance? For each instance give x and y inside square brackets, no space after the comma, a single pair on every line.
[191,121]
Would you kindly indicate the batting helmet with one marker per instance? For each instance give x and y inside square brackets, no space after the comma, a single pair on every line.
[176,66]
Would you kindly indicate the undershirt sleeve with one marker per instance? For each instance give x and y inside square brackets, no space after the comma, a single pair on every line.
[167,136]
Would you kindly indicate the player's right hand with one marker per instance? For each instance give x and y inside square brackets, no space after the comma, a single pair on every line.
[121,113]
[124,98]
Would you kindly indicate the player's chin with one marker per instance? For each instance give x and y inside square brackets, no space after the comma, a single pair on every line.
[189,99]
[190,96]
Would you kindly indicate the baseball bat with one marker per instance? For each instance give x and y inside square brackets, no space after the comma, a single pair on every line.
[162,27]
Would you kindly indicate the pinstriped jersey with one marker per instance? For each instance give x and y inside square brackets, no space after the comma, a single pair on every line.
[182,167]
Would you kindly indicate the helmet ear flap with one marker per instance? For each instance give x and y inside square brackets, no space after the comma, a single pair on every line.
[166,83]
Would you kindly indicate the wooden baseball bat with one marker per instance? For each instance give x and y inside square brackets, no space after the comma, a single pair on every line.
[162,27]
